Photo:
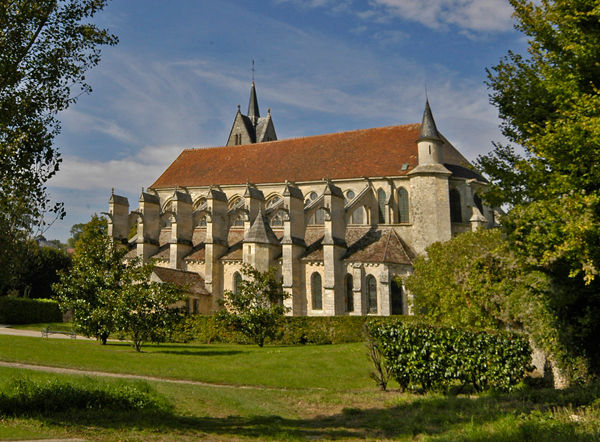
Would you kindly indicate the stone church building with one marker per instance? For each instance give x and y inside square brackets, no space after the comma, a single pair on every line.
[339,215]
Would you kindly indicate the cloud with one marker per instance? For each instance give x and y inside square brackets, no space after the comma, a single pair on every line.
[474,15]
[132,172]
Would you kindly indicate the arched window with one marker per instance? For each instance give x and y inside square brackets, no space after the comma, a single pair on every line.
[478,203]
[202,222]
[319,216]
[317,291]
[358,216]
[200,203]
[371,294]
[381,205]
[455,206]
[273,200]
[349,294]
[403,216]
[237,281]
[277,219]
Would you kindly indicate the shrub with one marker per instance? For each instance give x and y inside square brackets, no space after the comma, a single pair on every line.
[28,311]
[24,396]
[292,330]
[427,357]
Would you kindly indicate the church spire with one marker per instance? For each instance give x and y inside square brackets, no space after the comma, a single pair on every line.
[428,129]
[253,112]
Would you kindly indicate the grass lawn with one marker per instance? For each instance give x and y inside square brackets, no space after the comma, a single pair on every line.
[326,394]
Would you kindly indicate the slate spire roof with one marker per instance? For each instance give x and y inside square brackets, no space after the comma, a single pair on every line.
[260,231]
[253,112]
[428,128]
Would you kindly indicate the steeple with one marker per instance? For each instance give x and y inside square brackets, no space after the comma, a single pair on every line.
[251,128]
[253,112]
[428,129]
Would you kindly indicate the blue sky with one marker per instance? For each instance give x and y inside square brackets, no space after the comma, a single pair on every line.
[322,66]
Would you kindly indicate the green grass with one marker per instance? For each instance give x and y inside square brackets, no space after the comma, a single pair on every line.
[62,326]
[323,393]
[338,367]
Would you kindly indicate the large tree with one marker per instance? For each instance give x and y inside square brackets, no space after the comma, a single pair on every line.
[549,102]
[46,48]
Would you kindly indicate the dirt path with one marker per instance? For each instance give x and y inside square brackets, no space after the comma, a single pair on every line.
[50,369]
[7,330]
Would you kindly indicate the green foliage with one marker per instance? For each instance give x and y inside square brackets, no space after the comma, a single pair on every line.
[421,356]
[257,306]
[475,280]
[38,269]
[28,311]
[550,105]
[109,293]
[76,231]
[46,48]
[291,330]
[25,396]
[90,288]
[145,309]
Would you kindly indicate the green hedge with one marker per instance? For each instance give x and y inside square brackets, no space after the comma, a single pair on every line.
[28,311]
[426,357]
[292,330]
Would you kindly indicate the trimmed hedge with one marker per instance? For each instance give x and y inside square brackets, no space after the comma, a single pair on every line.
[427,357]
[293,330]
[28,311]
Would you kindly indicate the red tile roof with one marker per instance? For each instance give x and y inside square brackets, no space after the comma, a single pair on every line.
[369,152]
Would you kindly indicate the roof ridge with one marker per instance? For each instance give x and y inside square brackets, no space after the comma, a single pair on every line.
[301,138]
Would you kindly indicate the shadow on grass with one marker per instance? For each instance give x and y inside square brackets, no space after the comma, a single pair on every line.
[200,352]
[187,350]
[524,416]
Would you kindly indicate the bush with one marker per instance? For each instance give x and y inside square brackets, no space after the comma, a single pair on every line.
[426,357]
[28,397]
[28,311]
[292,330]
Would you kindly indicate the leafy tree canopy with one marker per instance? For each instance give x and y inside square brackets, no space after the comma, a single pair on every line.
[46,48]
[549,102]
[256,307]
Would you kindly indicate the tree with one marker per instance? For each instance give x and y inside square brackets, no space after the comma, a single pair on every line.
[475,280]
[76,230]
[90,289]
[256,307]
[146,309]
[46,48]
[550,105]
[107,292]
[39,269]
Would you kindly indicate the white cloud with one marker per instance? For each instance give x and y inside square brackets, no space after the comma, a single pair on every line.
[474,15]
[128,173]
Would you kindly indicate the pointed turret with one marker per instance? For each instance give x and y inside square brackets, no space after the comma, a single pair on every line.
[428,129]
[253,112]
[251,128]
[260,232]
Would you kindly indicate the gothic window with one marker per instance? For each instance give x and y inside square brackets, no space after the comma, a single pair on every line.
[317,291]
[277,219]
[200,204]
[237,281]
[238,220]
[319,216]
[455,206]
[238,139]
[478,203]
[273,200]
[349,294]
[202,222]
[403,216]
[358,216]
[371,294]
[381,205]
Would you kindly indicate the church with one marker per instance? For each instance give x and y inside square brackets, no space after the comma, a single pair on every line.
[341,216]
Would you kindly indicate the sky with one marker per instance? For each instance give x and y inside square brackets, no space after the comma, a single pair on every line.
[182,66]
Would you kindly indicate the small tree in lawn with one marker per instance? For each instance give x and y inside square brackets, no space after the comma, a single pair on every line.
[145,309]
[90,288]
[256,307]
